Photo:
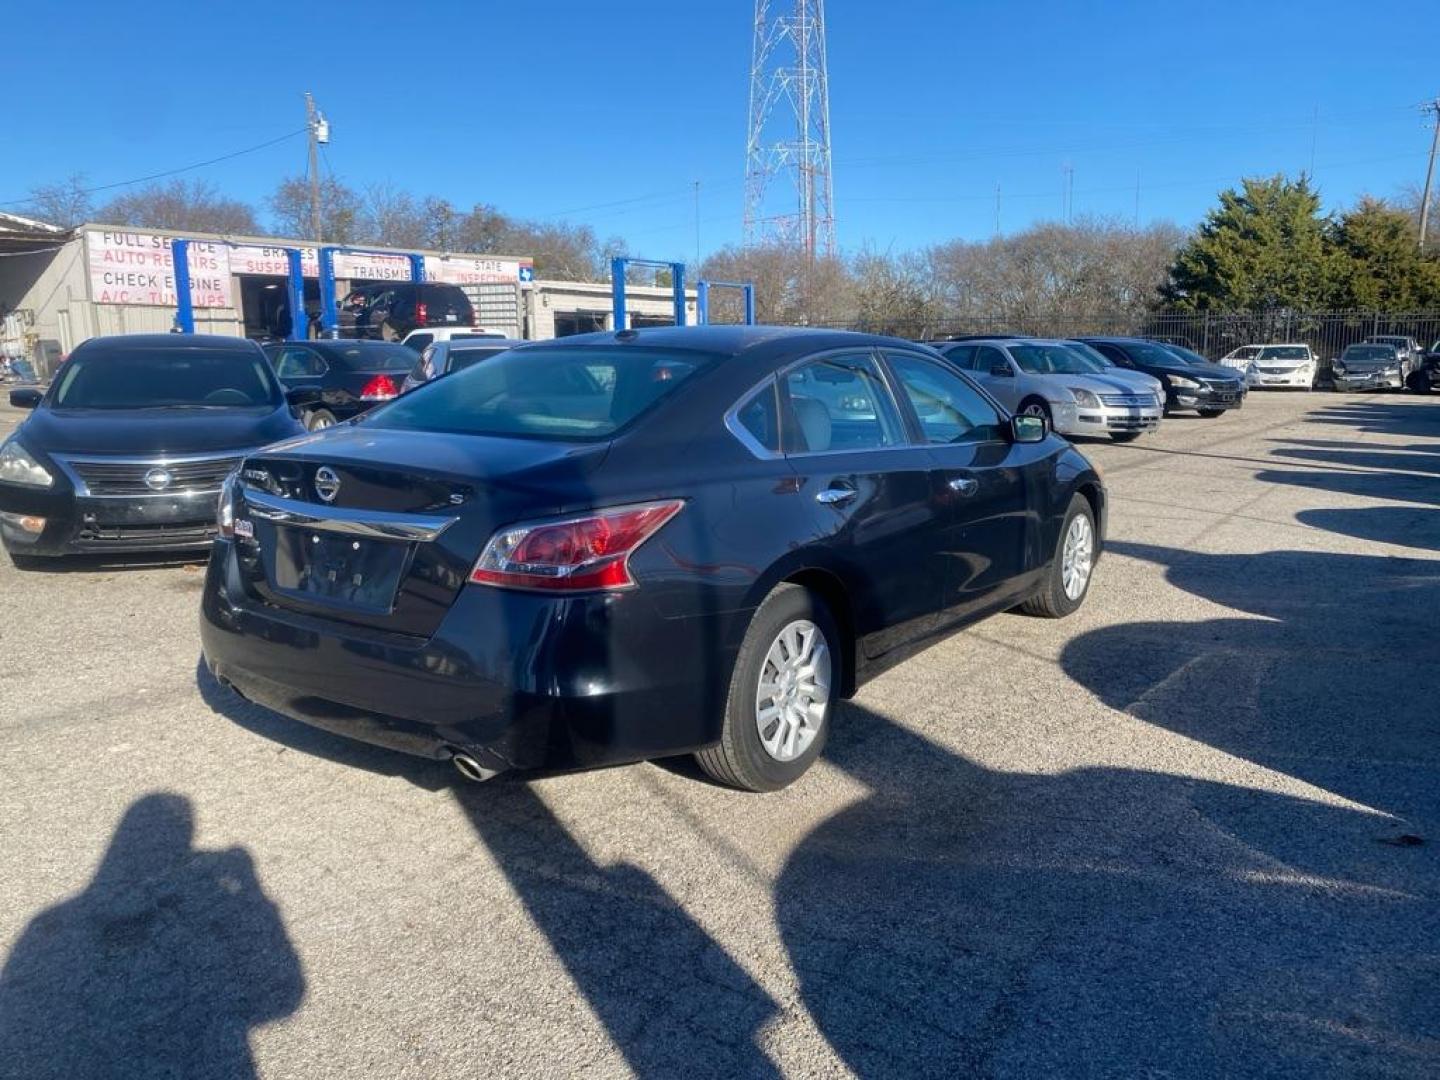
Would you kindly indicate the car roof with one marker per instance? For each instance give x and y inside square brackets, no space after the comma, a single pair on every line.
[733,339]
[972,337]
[171,341]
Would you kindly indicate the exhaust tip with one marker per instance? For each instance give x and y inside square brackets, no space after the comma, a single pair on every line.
[471,769]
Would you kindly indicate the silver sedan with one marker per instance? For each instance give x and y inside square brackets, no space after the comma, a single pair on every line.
[1075,393]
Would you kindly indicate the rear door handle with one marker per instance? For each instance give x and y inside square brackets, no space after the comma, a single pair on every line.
[835,496]
[963,485]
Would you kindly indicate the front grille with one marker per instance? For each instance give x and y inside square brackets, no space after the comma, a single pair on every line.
[1132,423]
[1223,385]
[127,477]
[1129,401]
[1278,370]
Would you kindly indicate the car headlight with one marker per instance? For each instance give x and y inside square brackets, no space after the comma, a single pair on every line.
[18,467]
[1084,398]
[1182,383]
[1338,368]
[225,508]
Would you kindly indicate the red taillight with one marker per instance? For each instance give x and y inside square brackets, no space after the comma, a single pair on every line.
[421,314]
[583,553]
[380,388]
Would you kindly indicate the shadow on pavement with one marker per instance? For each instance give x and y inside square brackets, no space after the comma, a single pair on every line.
[961,921]
[159,968]
[1411,526]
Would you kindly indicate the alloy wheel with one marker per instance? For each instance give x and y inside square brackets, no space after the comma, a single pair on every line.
[1077,557]
[793,696]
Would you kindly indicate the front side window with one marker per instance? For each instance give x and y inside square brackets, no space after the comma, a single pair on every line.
[839,403]
[555,393]
[117,375]
[988,359]
[950,410]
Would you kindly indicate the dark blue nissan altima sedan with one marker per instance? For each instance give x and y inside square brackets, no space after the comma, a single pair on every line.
[632,545]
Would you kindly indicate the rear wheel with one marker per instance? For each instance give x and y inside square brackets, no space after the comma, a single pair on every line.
[782,694]
[1068,580]
[319,419]
[1210,414]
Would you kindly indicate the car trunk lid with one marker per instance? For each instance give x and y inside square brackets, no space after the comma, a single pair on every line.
[380,528]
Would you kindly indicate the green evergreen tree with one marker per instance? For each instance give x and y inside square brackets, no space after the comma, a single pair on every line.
[1380,266]
[1264,247]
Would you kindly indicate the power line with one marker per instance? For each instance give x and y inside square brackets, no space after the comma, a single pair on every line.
[173,172]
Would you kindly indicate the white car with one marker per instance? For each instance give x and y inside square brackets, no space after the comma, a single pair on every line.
[417,339]
[1275,365]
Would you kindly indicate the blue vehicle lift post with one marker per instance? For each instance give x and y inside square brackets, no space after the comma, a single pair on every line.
[185,303]
[329,317]
[702,299]
[618,266]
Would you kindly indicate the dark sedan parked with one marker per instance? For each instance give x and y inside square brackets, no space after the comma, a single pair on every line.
[1207,388]
[633,545]
[443,358]
[128,447]
[348,377]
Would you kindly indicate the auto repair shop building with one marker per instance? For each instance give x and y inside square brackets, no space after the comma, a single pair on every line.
[61,286]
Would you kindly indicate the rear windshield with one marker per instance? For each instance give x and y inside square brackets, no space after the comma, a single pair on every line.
[374,357]
[1148,353]
[460,359]
[555,393]
[1053,360]
[140,377]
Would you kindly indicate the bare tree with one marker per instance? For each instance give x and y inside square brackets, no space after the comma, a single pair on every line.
[181,205]
[790,289]
[392,218]
[65,203]
[339,210]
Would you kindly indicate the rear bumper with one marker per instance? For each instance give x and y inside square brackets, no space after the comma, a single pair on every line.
[517,680]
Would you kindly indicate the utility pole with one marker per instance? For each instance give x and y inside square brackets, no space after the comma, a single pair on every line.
[1433,108]
[313,124]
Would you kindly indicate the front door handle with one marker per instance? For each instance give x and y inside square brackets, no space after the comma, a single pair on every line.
[835,496]
[963,485]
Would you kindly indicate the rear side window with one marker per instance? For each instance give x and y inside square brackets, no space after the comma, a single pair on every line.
[297,362]
[554,393]
[839,403]
[949,409]
[759,416]
[962,356]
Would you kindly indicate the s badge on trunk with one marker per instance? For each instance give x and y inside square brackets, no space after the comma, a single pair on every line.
[327,484]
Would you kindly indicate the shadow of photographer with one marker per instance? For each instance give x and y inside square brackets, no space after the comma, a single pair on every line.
[160,967]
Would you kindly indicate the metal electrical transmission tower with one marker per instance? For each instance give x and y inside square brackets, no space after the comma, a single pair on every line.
[789,133]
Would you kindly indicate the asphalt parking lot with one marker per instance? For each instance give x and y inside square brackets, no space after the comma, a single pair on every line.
[1192,831]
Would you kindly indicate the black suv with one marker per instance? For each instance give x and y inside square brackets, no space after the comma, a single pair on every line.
[392,310]
[1209,389]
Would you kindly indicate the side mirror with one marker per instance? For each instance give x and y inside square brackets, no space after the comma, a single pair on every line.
[1002,369]
[26,397]
[1028,429]
[303,395]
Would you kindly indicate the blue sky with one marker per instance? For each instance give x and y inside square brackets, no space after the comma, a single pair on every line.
[606,113]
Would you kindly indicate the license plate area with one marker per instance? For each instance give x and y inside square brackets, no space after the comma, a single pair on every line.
[335,568]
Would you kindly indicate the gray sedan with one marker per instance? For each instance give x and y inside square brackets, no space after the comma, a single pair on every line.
[1076,394]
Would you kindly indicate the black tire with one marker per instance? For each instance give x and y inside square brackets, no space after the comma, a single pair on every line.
[1419,382]
[1051,601]
[740,759]
[318,419]
[1125,436]
[1210,414]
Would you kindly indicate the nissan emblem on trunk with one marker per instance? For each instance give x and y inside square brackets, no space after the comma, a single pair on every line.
[158,479]
[327,484]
